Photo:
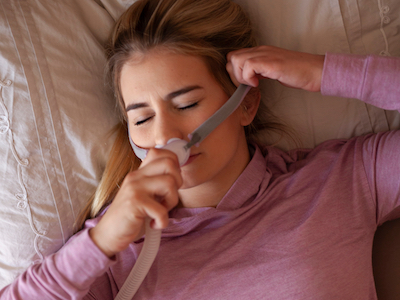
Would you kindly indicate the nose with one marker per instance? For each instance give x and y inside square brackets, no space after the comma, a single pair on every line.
[167,127]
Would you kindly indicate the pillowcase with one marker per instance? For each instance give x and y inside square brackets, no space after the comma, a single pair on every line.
[55,117]
[320,26]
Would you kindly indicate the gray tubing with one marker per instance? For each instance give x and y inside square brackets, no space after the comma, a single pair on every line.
[143,264]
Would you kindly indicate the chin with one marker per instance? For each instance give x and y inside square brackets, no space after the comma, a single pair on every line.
[189,182]
[186,185]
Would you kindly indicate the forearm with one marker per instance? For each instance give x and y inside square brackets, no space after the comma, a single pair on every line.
[67,274]
[372,79]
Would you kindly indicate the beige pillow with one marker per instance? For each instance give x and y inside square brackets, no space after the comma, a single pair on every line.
[55,114]
[319,26]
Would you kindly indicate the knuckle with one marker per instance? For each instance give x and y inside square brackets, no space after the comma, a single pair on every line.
[168,164]
[171,163]
[131,176]
[170,182]
[234,58]
[247,66]
[135,194]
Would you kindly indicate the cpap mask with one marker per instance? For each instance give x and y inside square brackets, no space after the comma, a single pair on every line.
[182,149]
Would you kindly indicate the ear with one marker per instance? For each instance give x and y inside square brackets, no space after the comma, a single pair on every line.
[250,106]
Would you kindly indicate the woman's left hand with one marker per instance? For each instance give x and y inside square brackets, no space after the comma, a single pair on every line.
[294,69]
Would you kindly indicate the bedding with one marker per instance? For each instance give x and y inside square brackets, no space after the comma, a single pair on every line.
[56,113]
[315,26]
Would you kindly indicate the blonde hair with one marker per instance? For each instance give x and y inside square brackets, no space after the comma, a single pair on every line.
[209,29]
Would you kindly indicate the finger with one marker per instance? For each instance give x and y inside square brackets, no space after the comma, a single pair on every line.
[155,164]
[162,166]
[250,74]
[229,68]
[233,53]
[157,213]
[158,153]
[149,197]
[159,187]
[240,52]
[242,68]
[156,196]
[234,66]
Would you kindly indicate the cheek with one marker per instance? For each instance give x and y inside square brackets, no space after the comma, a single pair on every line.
[228,133]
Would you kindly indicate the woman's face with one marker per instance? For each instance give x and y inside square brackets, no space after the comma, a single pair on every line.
[168,95]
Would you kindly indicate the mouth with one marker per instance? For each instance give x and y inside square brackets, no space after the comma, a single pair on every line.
[191,158]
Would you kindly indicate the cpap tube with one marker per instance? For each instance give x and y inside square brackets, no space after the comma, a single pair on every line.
[181,149]
[142,266]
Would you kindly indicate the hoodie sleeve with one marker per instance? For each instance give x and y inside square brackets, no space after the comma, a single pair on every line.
[372,79]
[67,274]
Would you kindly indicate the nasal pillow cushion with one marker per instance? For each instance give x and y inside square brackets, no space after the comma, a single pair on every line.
[178,147]
[175,145]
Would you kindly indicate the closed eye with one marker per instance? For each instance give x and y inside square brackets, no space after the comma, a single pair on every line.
[141,122]
[188,106]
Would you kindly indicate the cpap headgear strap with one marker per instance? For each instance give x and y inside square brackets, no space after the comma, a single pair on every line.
[181,147]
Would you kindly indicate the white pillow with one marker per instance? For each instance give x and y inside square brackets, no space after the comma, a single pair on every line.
[55,114]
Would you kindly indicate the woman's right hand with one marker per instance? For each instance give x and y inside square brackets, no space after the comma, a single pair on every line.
[151,191]
[291,68]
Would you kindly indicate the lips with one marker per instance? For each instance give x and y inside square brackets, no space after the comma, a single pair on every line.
[191,158]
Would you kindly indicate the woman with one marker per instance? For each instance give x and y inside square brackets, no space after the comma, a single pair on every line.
[239,221]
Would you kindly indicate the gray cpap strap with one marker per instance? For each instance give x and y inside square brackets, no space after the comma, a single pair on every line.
[219,116]
[209,125]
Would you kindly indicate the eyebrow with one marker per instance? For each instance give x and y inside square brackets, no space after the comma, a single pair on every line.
[169,97]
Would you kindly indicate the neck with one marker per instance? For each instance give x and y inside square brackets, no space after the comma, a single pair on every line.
[207,195]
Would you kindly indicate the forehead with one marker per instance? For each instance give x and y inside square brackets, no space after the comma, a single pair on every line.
[161,72]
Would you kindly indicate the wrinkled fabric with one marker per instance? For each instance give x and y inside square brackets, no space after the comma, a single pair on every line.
[296,225]
[319,26]
[51,154]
